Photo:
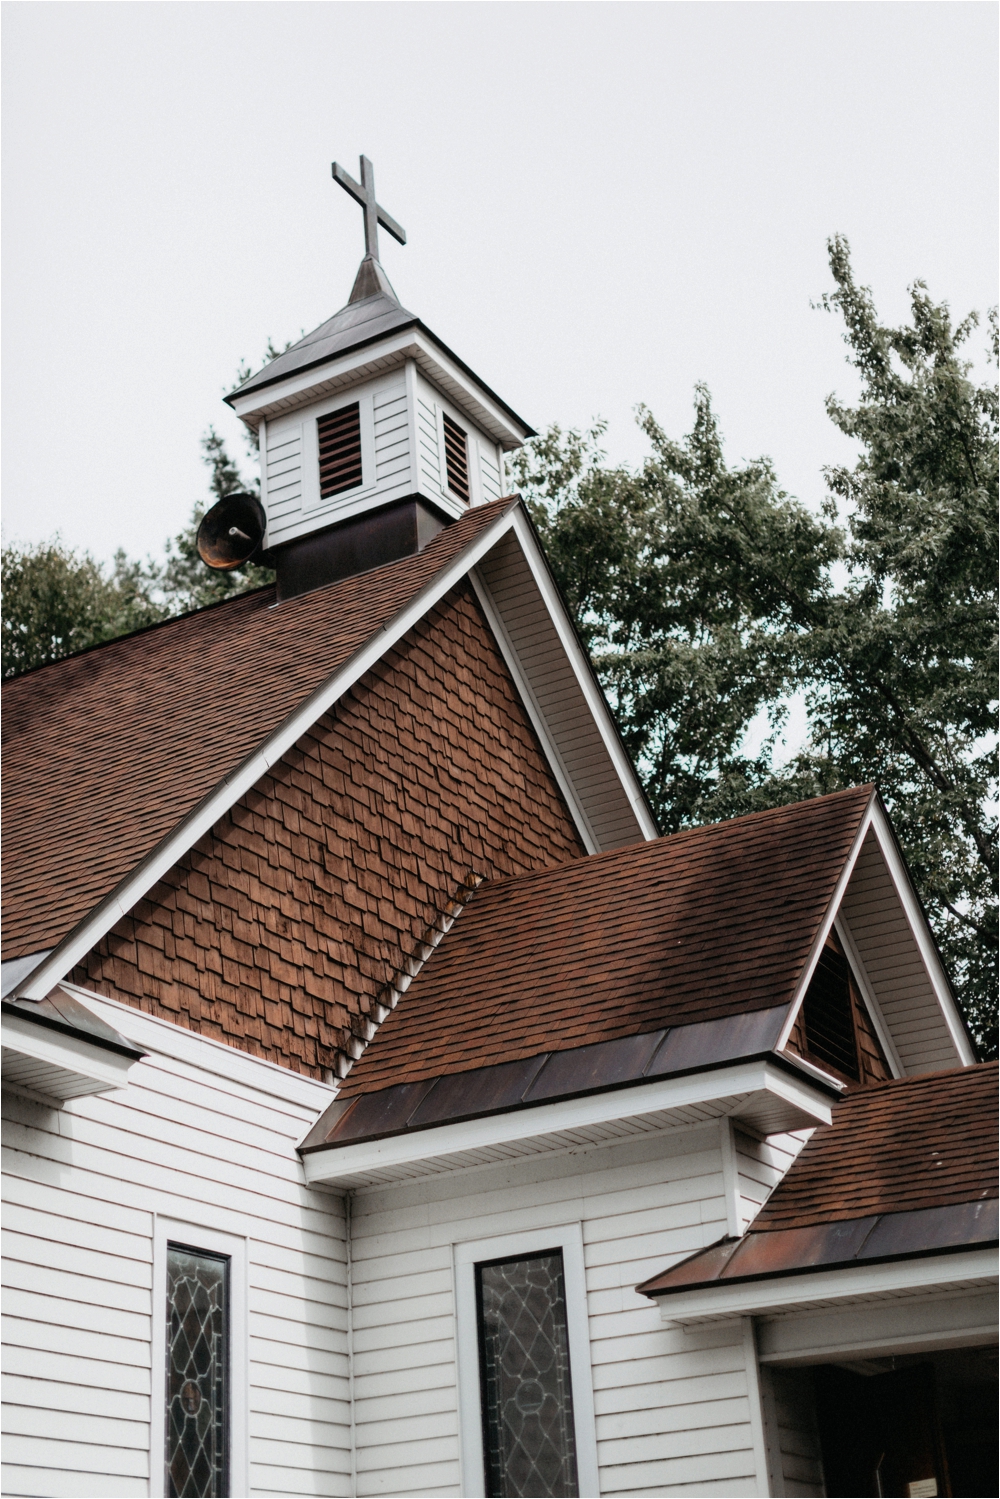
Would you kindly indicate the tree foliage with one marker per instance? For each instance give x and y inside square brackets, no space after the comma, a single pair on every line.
[709,598]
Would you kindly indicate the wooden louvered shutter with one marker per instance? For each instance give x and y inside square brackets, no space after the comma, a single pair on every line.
[829,1014]
[339,450]
[456,454]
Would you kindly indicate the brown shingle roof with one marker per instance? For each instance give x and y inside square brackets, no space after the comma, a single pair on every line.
[907,1167]
[708,923]
[105,752]
[914,1142]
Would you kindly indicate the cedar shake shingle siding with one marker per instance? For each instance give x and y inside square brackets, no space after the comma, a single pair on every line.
[106,752]
[305,899]
[709,923]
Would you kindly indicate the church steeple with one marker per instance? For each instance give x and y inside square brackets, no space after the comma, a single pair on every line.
[369,426]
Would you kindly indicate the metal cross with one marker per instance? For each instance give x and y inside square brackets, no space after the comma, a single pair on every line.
[364,193]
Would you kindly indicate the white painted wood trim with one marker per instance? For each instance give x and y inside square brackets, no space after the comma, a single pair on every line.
[155,1035]
[534,712]
[922,935]
[730,1178]
[868,996]
[781,1293]
[756,1406]
[961,1319]
[826,927]
[262,455]
[336,1163]
[201,1236]
[584,674]
[465,1256]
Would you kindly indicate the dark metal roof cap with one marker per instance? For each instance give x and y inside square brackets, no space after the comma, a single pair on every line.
[60,1011]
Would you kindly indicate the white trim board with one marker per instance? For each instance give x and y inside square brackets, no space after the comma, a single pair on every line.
[569,1239]
[900,1324]
[753,1090]
[53,1064]
[780,1293]
[239,781]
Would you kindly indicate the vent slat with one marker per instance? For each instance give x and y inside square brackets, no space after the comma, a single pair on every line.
[456,455]
[339,450]
[829,1016]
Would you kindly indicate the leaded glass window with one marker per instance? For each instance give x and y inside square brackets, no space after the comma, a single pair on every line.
[528,1440]
[197,1373]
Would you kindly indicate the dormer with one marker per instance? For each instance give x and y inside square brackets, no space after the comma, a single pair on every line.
[373,434]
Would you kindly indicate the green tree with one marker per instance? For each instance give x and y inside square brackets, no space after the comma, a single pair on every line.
[57,601]
[707,597]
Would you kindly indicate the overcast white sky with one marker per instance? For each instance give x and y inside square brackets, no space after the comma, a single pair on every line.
[604,202]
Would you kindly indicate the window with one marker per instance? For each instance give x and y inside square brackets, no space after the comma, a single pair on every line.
[339,450]
[828,1012]
[197,1378]
[456,453]
[528,1437]
[199,1361]
[526,1400]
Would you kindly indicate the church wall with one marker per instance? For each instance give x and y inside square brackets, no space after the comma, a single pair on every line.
[205,1136]
[760,1165]
[305,900]
[672,1409]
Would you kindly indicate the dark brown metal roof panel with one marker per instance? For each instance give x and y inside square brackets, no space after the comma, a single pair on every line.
[584,1069]
[709,1042]
[487,1090]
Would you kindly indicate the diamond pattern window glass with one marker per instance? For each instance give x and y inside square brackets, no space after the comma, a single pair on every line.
[197,1373]
[528,1437]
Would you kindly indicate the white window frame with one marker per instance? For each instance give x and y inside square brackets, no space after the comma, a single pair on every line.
[234,1247]
[568,1238]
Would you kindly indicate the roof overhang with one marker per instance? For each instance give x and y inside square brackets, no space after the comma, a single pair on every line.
[375,357]
[765,1095]
[57,1048]
[957,1270]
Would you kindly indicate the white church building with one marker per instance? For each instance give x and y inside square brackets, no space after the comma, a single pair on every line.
[389,1109]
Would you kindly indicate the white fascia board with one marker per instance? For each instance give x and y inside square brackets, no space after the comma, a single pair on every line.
[156,1036]
[584,673]
[826,926]
[761,1298]
[60,1053]
[201,818]
[409,343]
[742,1081]
[926,945]
[917,1323]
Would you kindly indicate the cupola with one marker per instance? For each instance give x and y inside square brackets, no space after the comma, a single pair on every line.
[373,434]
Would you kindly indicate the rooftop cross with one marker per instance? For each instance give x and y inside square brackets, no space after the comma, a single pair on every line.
[364,193]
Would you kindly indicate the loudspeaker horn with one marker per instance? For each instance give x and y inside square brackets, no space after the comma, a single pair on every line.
[231,532]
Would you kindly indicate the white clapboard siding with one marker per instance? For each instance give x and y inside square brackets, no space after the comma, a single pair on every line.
[792,1437]
[284,469]
[879,928]
[490,473]
[193,1139]
[760,1165]
[429,454]
[392,441]
[672,1408]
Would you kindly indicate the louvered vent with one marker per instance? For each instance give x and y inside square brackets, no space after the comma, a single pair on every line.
[829,1014]
[339,450]
[456,454]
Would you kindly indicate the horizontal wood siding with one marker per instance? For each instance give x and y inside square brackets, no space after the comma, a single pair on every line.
[878,925]
[392,443]
[81,1187]
[672,1408]
[490,474]
[284,472]
[429,455]
[760,1165]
